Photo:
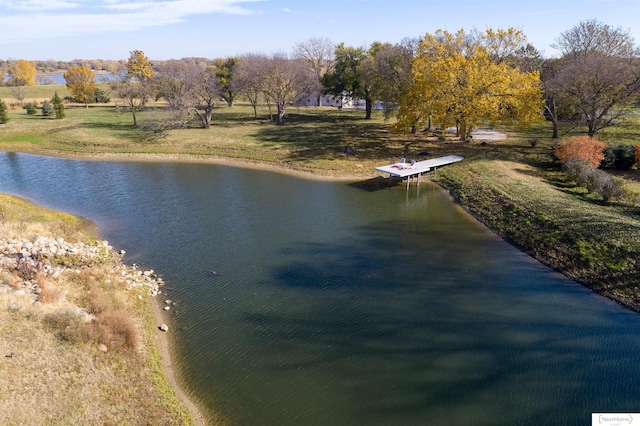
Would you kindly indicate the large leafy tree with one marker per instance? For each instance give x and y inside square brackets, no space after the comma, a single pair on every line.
[22,73]
[459,80]
[136,87]
[380,73]
[81,82]
[386,73]
[345,80]
[599,73]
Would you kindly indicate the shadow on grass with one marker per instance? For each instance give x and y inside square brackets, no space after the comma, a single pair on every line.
[147,132]
[322,135]
[326,134]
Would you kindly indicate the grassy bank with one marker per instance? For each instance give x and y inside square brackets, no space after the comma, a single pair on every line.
[78,340]
[512,185]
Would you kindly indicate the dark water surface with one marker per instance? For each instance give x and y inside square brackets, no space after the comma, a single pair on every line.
[338,306]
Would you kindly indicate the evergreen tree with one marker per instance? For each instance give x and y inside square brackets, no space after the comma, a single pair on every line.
[58,107]
[31,109]
[101,96]
[4,116]
[47,108]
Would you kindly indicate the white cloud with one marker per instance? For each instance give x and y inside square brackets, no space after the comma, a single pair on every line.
[108,15]
[38,5]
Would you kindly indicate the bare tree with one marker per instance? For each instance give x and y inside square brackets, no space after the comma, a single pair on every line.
[593,36]
[283,79]
[175,84]
[135,94]
[318,54]
[206,89]
[600,73]
[19,92]
[136,87]
[599,88]
[248,78]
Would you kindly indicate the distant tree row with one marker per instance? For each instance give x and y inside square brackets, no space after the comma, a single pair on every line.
[441,80]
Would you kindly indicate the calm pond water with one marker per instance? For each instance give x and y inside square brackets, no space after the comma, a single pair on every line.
[333,305]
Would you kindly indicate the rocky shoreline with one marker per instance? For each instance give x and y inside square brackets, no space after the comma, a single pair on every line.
[53,257]
[35,277]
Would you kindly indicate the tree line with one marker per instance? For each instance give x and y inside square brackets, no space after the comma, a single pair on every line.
[439,81]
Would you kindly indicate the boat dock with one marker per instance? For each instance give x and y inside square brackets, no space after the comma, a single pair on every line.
[406,170]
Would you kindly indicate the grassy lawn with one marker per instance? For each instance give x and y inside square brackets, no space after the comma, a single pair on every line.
[513,185]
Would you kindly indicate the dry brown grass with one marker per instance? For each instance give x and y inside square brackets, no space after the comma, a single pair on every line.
[115,329]
[52,368]
[10,279]
[48,292]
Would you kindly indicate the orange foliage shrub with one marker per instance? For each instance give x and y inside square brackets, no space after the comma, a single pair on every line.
[583,148]
[637,152]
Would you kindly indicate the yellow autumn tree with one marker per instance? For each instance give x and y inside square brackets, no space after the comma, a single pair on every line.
[81,82]
[139,66]
[22,73]
[457,82]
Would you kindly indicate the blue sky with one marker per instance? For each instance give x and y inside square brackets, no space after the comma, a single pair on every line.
[173,29]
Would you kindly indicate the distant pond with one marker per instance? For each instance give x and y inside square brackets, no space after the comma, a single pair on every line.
[332,305]
[58,78]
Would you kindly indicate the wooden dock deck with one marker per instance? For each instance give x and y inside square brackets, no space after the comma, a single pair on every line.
[408,170]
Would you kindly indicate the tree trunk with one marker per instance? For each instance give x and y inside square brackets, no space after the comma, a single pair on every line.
[135,121]
[368,105]
[550,107]
[280,114]
[591,122]
[208,112]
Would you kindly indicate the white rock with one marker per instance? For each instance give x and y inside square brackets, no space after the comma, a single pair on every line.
[164,327]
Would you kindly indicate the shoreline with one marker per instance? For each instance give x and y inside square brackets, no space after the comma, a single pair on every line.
[196,159]
[164,348]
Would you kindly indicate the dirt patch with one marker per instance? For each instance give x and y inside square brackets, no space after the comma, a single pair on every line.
[487,135]
[165,354]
